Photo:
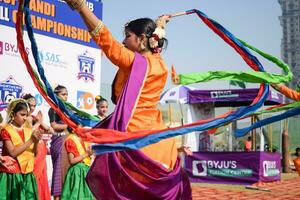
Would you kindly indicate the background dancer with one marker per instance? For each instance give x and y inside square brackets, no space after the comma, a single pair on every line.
[40,165]
[58,153]
[19,142]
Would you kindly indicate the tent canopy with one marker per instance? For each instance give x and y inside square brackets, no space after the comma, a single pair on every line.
[177,94]
[232,97]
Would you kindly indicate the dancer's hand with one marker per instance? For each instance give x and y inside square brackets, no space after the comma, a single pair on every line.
[8,163]
[50,130]
[39,117]
[89,151]
[162,20]
[36,136]
[75,4]
[186,150]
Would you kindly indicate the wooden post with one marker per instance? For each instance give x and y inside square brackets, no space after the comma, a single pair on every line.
[285,149]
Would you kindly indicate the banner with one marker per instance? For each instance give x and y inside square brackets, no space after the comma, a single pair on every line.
[68,54]
[231,97]
[243,168]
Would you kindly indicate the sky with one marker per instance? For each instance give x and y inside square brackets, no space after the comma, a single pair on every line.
[192,46]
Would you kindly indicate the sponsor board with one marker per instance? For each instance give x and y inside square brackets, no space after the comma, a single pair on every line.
[85,100]
[9,90]
[86,67]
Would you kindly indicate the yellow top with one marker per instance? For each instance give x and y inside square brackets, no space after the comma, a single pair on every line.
[81,150]
[25,159]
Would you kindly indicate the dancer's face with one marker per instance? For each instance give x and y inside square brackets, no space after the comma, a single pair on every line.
[63,94]
[32,105]
[102,108]
[20,117]
[131,41]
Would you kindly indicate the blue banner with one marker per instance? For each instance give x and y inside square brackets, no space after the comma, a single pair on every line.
[53,18]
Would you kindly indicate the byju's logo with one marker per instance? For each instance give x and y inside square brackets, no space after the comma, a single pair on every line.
[86,67]
[1,47]
[199,168]
[85,100]
[222,94]
[10,49]
[225,168]
[270,168]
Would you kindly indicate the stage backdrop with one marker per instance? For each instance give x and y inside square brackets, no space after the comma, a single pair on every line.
[68,54]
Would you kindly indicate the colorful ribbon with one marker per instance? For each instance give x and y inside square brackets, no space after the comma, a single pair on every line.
[116,140]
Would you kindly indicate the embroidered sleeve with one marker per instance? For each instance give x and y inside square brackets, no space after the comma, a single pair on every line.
[114,50]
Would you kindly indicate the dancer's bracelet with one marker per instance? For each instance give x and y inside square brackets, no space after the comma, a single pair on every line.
[96,30]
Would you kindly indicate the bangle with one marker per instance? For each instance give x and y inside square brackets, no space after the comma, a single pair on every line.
[76,4]
[96,30]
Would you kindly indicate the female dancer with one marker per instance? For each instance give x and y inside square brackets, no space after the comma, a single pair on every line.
[19,142]
[79,156]
[154,172]
[40,165]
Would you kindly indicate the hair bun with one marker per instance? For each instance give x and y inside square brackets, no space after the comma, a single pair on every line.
[98,97]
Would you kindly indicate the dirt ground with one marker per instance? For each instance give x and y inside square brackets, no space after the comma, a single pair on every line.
[288,188]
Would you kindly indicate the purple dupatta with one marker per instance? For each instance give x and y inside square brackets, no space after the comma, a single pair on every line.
[131,174]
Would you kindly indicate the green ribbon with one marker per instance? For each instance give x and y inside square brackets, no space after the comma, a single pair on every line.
[248,76]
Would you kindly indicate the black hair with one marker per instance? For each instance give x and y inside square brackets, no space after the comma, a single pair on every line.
[58,89]
[20,106]
[99,99]
[28,96]
[145,26]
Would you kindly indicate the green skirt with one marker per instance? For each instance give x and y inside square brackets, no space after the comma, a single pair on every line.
[75,186]
[18,186]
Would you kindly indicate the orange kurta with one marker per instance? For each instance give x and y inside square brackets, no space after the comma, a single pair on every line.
[297,164]
[292,94]
[146,116]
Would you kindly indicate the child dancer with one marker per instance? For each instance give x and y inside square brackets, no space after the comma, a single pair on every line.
[57,141]
[101,106]
[79,154]
[40,165]
[19,142]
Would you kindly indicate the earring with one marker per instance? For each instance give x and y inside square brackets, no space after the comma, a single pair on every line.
[142,46]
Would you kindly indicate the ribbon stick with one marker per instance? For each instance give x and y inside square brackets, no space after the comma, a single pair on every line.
[112,140]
